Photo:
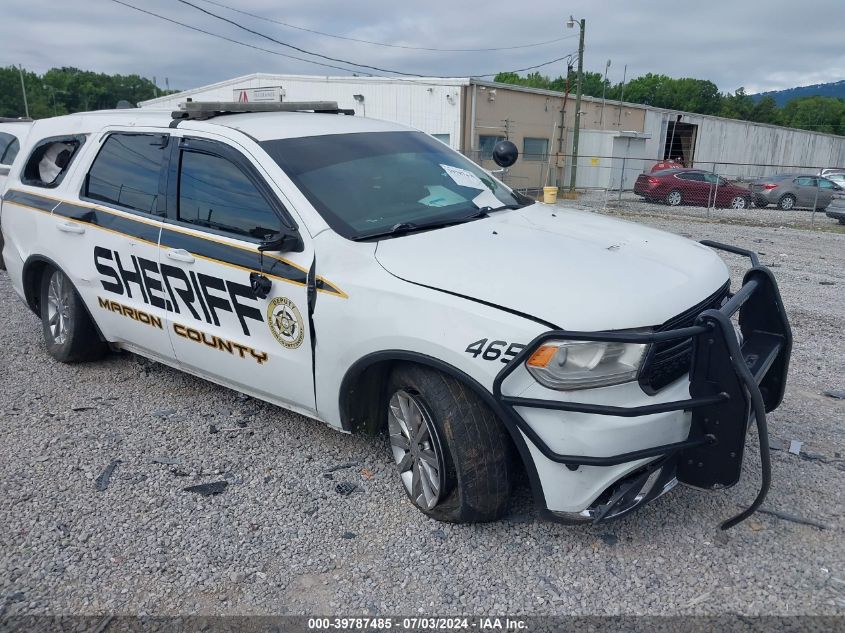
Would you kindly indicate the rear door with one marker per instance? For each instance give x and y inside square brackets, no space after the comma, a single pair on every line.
[694,187]
[221,206]
[115,227]
[827,190]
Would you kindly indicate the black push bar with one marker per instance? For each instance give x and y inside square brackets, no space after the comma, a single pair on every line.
[729,383]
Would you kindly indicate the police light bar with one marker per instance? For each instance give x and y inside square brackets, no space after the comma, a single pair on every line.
[209,109]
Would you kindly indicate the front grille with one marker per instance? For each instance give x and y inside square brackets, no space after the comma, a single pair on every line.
[668,361]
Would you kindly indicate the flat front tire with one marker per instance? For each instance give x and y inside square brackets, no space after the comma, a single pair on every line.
[454,457]
[69,333]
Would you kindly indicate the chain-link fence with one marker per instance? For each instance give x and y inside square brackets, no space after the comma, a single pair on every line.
[766,192]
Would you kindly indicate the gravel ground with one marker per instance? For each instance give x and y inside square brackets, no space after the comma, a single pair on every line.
[280,539]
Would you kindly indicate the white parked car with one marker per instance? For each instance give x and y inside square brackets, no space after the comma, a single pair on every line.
[12,132]
[364,274]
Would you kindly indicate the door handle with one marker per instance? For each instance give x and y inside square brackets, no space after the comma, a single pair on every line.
[180,255]
[71,227]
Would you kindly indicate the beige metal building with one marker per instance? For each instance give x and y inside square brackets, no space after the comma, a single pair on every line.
[617,140]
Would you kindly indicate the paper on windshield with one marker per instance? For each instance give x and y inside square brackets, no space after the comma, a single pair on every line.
[463,177]
[486,199]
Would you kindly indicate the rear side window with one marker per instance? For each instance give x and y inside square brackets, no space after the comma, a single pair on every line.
[127,172]
[692,176]
[214,193]
[9,146]
[50,160]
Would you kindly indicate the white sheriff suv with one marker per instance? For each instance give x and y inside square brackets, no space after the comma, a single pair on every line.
[365,275]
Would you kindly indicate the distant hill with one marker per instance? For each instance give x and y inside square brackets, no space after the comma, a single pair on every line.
[781,97]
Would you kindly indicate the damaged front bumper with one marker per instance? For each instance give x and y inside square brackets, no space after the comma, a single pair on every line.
[734,381]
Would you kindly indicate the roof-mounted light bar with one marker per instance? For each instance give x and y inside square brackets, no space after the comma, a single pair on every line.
[200,110]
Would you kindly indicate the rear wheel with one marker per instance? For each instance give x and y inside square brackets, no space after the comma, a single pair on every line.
[674,198]
[453,455]
[786,202]
[69,333]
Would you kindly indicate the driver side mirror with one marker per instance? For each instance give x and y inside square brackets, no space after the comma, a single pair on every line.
[505,154]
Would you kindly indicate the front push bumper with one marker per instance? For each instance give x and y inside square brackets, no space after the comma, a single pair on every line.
[734,381]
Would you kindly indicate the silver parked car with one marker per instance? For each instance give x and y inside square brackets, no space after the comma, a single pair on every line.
[836,174]
[789,191]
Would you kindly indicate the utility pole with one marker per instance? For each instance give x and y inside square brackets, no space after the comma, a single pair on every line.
[581,24]
[603,90]
[23,88]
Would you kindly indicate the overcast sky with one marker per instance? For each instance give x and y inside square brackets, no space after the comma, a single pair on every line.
[758,44]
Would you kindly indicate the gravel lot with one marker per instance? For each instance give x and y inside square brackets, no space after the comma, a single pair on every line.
[280,539]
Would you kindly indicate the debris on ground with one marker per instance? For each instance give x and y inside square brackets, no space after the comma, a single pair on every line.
[208,489]
[795,446]
[756,525]
[82,408]
[167,461]
[348,535]
[103,479]
[354,462]
[609,538]
[366,473]
[786,516]
[212,429]
[346,488]
[163,413]
[835,393]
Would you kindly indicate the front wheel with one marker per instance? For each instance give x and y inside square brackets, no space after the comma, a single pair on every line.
[453,455]
[69,333]
[740,202]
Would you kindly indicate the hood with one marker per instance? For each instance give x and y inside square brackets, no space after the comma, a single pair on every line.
[574,269]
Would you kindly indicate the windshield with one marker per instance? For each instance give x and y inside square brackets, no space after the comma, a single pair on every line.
[365,184]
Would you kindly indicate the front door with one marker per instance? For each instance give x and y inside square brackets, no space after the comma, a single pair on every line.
[220,208]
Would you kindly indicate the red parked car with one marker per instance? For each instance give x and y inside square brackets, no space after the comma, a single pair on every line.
[691,186]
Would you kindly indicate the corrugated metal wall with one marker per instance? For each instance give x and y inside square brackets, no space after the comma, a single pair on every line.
[742,149]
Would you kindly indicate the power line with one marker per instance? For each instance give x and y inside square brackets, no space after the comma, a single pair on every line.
[350,70]
[233,41]
[404,46]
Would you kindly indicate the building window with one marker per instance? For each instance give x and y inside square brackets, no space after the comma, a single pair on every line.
[535,149]
[486,143]
[443,138]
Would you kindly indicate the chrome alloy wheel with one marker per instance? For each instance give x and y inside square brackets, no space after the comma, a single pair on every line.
[416,448]
[58,307]
[738,202]
[674,198]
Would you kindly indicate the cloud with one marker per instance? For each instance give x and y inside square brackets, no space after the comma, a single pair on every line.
[759,44]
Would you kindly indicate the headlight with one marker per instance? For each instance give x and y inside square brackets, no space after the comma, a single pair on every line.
[566,365]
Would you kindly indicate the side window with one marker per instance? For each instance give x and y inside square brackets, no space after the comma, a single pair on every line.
[215,193]
[692,176]
[50,159]
[824,183]
[804,182]
[127,171]
[536,149]
[9,147]
[486,143]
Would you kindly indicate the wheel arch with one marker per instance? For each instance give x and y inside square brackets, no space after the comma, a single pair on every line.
[32,272]
[33,269]
[364,387]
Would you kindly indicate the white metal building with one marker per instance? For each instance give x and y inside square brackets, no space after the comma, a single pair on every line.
[470,115]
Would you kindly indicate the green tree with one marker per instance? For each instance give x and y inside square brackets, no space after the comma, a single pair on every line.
[819,114]
[66,90]
[766,111]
